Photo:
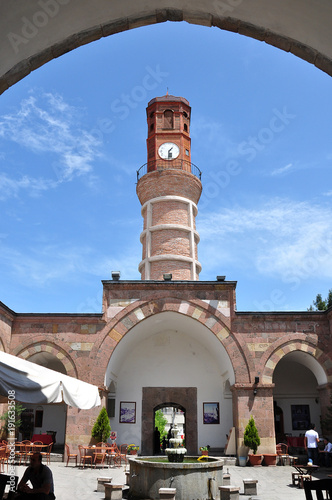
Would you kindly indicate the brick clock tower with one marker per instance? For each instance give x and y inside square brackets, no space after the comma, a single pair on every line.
[169,188]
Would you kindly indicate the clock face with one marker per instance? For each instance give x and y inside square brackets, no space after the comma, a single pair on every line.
[168,151]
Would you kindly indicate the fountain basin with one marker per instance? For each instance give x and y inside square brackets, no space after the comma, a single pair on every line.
[191,480]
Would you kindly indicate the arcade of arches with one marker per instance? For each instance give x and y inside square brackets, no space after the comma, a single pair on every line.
[174,342]
[183,344]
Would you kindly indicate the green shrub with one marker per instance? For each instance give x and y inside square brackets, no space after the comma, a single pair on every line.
[251,437]
[101,429]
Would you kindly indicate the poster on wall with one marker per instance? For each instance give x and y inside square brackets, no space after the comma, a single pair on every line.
[300,417]
[127,412]
[210,413]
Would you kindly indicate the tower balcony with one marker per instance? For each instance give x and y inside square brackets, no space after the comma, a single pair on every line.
[160,165]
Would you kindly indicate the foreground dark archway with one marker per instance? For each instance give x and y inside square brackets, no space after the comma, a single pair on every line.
[33,34]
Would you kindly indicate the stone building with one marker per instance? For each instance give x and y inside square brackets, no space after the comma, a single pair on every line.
[170,340]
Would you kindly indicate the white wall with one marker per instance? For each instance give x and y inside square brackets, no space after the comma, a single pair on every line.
[171,350]
[54,419]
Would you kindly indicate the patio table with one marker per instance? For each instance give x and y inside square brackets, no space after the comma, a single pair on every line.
[303,473]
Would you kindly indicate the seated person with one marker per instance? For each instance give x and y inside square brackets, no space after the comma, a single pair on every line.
[325,455]
[41,479]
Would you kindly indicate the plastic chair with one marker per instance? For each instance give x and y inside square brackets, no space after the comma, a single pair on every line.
[319,486]
[119,456]
[70,455]
[84,457]
[3,458]
[47,453]
[37,446]
[19,451]
[26,446]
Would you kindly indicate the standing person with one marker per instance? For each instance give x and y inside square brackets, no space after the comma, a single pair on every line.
[311,440]
[156,441]
[41,479]
[169,435]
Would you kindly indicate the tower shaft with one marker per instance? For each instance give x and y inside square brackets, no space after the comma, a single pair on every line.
[169,193]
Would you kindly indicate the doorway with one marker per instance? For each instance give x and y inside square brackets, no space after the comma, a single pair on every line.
[165,417]
[182,398]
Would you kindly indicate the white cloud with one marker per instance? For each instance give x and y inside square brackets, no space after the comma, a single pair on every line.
[49,125]
[281,239]
[11,187]
[282,170]
[62,263]
[328,193]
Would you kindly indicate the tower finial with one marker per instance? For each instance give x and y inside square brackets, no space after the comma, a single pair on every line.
[167,91]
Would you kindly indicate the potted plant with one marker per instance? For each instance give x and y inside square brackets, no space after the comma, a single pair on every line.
[252,440]
[270,459]
[132,449]
[101,430]
[205,449]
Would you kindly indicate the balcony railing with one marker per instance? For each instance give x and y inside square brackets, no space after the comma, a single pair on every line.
[160,165]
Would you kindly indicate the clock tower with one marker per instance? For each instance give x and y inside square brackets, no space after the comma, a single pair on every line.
[169,188]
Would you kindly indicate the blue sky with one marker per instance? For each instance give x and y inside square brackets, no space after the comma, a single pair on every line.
[72,135]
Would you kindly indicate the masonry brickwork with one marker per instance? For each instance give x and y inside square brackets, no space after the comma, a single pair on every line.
[255,342]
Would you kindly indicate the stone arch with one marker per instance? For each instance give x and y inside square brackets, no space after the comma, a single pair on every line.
[46,30]
[320,363]
[43,346]
[213,320]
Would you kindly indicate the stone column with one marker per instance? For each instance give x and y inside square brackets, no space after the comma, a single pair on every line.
[325,392]
[260,406]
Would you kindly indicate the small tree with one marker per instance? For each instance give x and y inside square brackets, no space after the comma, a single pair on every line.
[320,304]
[7,418]
[160,421]
[101,429]
[251,437]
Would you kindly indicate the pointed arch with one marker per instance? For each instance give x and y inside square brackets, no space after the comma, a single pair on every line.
[319,363]
[59,353]
[204,313]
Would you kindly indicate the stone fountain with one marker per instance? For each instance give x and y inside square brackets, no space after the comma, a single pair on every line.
[176,453]
[190,477]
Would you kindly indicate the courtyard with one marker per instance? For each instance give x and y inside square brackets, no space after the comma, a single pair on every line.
[274,483]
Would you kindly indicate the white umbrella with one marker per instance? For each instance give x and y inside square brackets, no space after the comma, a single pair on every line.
[36,384]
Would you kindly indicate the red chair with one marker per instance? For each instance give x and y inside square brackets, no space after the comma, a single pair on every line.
[119,456]
[47,454]
[25,449]
[70,455]
[3,458]
[84,457]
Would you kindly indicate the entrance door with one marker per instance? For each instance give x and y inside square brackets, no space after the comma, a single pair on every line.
[184,398]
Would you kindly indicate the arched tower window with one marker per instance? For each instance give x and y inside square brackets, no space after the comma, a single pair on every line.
[168,119]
